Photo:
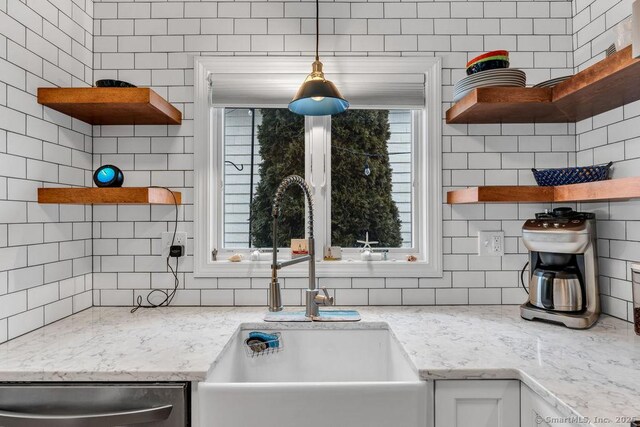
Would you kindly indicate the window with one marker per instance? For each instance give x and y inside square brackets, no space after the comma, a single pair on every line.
[374,170]
[371,166]
[256,158]
[371,178]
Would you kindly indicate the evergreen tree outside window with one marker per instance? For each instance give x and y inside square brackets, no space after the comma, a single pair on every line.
[361,185]
[281,142]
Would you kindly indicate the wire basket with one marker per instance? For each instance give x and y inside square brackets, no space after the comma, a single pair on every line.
[566,176]
[262,348]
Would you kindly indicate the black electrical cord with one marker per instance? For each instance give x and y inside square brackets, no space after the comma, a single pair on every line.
[522,277]
[168,294]
[238,168]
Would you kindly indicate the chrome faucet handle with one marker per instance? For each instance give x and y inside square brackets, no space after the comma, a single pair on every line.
[328,298]
[325,299]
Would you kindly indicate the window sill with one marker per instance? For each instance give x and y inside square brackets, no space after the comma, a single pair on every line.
[344,268]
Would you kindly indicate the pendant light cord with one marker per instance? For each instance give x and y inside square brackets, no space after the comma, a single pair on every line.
[317,28]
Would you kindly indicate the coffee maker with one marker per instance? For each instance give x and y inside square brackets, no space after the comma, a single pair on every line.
[563,280]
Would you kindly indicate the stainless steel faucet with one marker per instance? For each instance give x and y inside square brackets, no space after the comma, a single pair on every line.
[313,298]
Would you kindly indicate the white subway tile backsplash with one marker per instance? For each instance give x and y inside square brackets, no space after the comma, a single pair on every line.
[385,297]
[146,27]
[25,278]
[58,271]
[117,263]
[434,10]
[351,297]
[12,120]
[250,297]
[367,43]
[104,10]
[402,282]
[134,10]
[25,322]
[469,10]
[232,283]
[43,254]
[3,235]
[485,296]
[42,295]
[58,310]
[502,279]
[452,296]
[152,43]
[468,279]
[13,166]
[117,27]
[12,304]
[358,282]
[12,29]
[129,281]
[73,249]
[111,297]
[418,297]
[368,10]
[24,146]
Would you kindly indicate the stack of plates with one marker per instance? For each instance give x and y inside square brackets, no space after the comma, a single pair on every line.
[553,82]
[504,77]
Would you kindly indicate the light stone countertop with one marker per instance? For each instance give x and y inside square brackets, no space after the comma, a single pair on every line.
[592,373]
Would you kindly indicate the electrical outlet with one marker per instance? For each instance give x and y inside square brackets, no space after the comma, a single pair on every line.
[180,240]
[491,243]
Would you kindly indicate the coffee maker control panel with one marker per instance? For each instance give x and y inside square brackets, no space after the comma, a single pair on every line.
[560,219]
[560,224]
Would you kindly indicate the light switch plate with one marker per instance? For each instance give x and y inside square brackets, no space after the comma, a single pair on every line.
[181,240]
[491,243]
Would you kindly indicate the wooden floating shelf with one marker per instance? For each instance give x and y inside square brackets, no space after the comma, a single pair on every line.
[608,84]
[500,194]
[613,189]
[506,105]
[111,106]
[108,196]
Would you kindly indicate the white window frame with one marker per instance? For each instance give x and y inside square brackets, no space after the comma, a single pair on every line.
[208,172]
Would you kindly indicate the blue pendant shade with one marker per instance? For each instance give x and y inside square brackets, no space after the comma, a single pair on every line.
[318,96]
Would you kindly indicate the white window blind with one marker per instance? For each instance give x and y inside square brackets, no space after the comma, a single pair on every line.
[364,82]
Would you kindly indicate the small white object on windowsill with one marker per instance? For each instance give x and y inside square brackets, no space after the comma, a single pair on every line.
[368,255]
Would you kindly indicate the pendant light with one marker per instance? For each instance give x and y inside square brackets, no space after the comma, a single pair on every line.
[318,96]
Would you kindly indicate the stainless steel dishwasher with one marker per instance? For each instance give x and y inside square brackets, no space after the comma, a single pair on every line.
[94,404]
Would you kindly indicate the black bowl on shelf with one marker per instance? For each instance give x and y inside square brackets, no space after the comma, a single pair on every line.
[113,83]
[487,65]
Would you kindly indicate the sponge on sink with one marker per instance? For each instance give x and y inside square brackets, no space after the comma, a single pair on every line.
[260,341]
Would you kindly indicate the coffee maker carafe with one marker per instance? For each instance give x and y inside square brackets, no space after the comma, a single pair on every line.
[563,285]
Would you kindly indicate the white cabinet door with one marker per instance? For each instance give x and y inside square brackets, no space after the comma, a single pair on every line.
[477,403]
[535,411]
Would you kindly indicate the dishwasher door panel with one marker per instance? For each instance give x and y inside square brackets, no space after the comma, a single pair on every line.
[94,405]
